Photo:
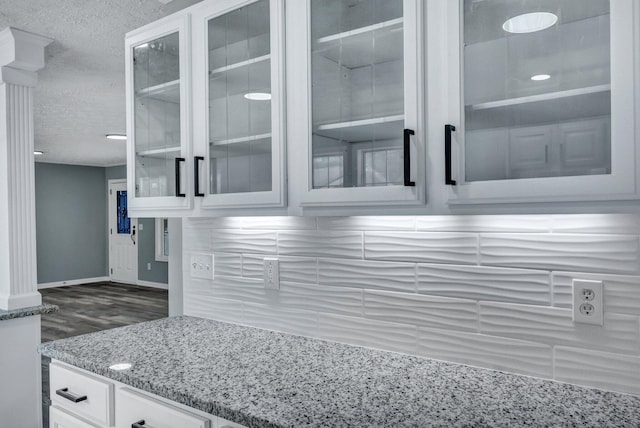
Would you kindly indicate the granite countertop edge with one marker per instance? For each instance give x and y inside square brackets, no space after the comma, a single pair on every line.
[45,308]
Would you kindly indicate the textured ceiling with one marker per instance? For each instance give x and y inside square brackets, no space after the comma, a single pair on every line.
[80,94]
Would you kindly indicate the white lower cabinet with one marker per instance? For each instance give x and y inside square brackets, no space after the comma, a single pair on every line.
[59,418]
[138,410]
[84,400]
[83,395]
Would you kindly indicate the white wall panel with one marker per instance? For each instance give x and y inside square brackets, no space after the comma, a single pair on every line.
[598,369]
[210,307]
[243,241]
[621,292]
[317,298]
[596,223]
[196,239]
[367,274]
[485,223]
[370,333]
[227,264]
[485,283]
[556,327]
[586,253]
[292,269]
[279,319]
[491,291]
[367,223]
[440,312]
[517,356]
[434,247]
[321,244]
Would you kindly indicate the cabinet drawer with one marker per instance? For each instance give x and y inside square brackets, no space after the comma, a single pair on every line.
[134,407]
[68,385]
[58,418]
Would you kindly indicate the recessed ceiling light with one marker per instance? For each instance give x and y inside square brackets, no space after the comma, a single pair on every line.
[258,96]
[120,366]
[529,22]
[116,137]
[38,152]
[540,77]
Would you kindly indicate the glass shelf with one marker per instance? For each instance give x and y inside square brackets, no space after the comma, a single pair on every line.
[240,139]
[240,64]
[158,153]
[540,97]
[169,92]
[539,109]
[382,128]
[377,43]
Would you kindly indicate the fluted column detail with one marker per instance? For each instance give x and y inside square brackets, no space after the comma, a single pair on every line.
[21,55]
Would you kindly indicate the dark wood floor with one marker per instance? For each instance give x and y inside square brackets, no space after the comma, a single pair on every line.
[88,308]
[100,306]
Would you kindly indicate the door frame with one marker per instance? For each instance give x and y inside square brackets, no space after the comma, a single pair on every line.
[134,223]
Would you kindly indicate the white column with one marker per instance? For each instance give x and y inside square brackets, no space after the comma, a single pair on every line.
[21,55]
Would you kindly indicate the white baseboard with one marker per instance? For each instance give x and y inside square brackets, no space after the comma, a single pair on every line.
[73,282]
[152,284]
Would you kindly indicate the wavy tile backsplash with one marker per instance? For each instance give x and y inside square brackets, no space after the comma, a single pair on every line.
[489,291]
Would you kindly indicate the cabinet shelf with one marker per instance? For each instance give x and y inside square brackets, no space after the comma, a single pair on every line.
[240,64]
[541,97]
[158,153]
[240,139]
[168,92]
[552,107]
[364,130]
[355,48]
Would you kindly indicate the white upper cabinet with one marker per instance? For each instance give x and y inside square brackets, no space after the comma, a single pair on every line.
[355,85]
[540,100]
[158,122]
[238,66]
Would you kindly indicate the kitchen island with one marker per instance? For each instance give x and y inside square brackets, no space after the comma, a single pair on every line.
[261,378]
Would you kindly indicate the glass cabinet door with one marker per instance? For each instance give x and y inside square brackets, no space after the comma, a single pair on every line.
[537,89]
[362,64]
[244,140]
[157,135]
[357,93]
[542,89]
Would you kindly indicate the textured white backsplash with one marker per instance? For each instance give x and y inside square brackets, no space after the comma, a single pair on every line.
[489,291]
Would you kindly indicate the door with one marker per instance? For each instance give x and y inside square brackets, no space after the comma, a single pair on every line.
[540,98]
[123,249]
[359,69]
[158,130]
[239,98]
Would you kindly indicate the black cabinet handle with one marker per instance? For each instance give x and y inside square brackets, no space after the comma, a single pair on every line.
[407,158]
[64,392]
[139,424]
[196,175]
[178,194]
[448,129]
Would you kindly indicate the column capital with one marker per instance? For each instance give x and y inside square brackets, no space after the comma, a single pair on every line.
[22,50]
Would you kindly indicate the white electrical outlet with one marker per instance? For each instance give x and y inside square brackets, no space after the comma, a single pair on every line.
[588,302]
[201,266]
[271,273]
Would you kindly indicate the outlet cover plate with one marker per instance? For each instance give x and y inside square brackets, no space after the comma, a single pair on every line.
[201,266]
[588,302]
[271,273]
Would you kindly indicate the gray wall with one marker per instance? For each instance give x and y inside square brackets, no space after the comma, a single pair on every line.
[146,238]
[72,225]
[147,253]
[71,218]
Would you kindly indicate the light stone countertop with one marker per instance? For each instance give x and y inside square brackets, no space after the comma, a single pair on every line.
[262,378]
[27,312]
